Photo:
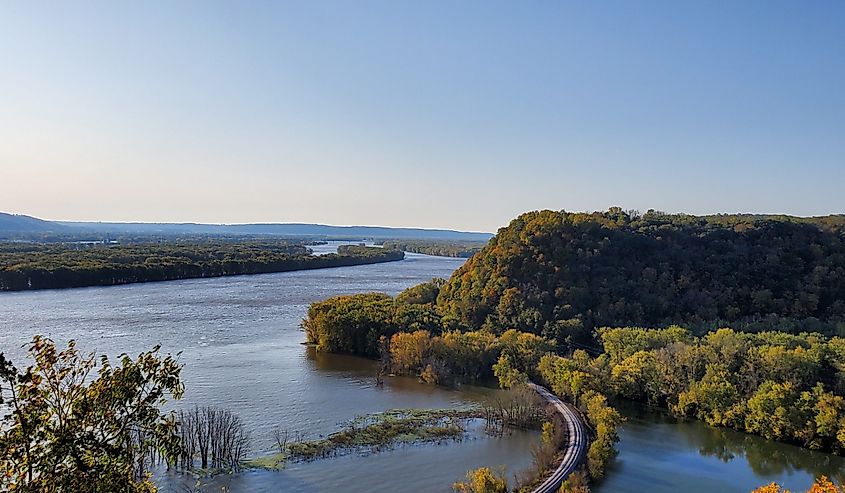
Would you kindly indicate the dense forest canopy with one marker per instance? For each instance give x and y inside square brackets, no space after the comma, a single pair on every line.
[48,266]
[563,274]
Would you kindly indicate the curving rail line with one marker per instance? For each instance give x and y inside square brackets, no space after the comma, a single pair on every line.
[578,441]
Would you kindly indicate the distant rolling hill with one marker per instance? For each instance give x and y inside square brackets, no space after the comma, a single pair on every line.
[17,224]
[282,229]
[14,224]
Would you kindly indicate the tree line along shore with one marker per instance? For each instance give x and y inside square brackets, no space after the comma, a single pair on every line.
[25,266]
[459,249]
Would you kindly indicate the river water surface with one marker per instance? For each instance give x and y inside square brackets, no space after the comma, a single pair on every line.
[659,454]
[241,346]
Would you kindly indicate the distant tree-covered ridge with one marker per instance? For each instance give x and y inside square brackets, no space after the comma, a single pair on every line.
[563,274]
[462,249]
[26,266]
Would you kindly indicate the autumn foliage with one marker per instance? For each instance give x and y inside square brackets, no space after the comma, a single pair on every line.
[822,485]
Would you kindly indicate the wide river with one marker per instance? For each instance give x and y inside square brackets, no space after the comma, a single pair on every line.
[241,346]
[242,349]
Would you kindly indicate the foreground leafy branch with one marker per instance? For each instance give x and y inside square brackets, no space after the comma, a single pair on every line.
[78,423]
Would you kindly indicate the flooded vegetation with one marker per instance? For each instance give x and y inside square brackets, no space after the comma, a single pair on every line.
[380,431]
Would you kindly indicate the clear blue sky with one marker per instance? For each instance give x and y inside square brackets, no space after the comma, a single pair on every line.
[434,114]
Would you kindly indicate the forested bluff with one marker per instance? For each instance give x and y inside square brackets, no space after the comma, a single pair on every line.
[619,304]
[26,266]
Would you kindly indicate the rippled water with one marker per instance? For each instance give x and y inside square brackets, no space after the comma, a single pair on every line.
[242,349]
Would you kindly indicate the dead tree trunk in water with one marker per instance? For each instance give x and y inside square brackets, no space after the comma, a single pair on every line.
[216,437]
[384,360]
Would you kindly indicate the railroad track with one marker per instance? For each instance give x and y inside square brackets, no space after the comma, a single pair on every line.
[578,441]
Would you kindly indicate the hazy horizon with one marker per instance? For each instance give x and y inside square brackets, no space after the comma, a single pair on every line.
[373,225]
[364,225]
[429,115]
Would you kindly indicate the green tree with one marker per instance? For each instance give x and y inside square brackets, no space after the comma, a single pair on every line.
[78,423]
[638,377]
[506,373]
[524,350]
[604,420]
[715,399]
[566,377]
[829,420]
[773,411]
[422,294]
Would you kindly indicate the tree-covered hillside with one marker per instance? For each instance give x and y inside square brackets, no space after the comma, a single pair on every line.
[561,274]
